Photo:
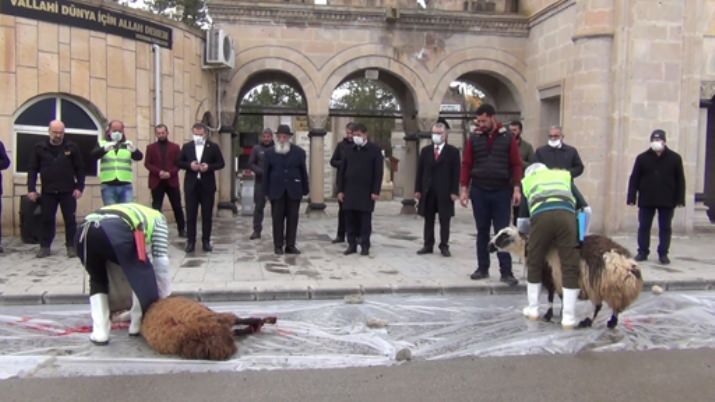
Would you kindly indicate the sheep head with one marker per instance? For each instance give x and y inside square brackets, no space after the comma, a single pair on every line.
[510,240]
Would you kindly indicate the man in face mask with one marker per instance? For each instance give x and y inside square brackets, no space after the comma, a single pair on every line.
[160,161]
[336,161]
[116,154]
[657,182]
[285,181]
[61,168]
[255,163]
[437,188]
[557,155]
[200,158]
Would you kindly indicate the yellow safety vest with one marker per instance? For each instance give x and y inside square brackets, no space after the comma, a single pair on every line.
[137,216]
[546,187]
[115,165]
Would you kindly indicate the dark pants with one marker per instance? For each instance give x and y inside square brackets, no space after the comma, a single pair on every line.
[68,206]
[341,221]
[514,215]
[259,201]
[284,212]
[0,217]
[645,221]
[359,227]
[113,240]
[431,209]
[157,199]
[491,207]
[548,230]
[193,199]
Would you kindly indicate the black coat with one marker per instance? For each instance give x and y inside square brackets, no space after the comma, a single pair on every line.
[566,157]
[4,162]
[441,176]
[62,172]
[361,176]
[211,156]
[255,161]
[657,181]
[285,173]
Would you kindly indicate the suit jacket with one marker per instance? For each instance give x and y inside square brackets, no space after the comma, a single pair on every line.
[285,173]
[211,156]
[153,163]
[4,162]
[361,176]
[440,176]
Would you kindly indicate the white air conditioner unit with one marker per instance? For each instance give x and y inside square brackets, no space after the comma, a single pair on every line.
[219,50]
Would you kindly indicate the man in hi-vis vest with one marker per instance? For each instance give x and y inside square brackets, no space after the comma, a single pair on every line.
[116,154]
[136,238]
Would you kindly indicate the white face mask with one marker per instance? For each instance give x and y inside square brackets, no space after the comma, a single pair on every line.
[657,146]
[554,143]
[199,140]
[437,139]
[116,136]
[359,141]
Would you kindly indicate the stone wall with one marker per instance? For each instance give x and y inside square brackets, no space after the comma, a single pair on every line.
[111,75]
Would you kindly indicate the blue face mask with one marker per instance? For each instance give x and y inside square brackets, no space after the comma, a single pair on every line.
[116,136]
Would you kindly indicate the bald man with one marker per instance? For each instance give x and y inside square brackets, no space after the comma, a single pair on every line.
[61,170]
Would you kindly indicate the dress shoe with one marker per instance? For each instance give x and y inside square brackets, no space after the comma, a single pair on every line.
[190,246]
[1,250]
[71,252]
[364,251]
[445,252]
[509,280]
[641,257]
[182,233]
[338,240]
[292,250]
[350,250]
[44,252]
[424,250]
[664,259]
[255,235]
[479,274]
[278,250]
[207,246]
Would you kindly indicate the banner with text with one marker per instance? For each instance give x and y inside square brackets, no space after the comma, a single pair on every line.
[90,17]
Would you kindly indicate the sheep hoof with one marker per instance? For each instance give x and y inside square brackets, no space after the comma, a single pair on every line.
[549,314]
[612,322]
[585,323]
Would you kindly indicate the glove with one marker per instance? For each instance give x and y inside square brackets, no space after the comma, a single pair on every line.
[588,211]
[109,146]
[163,276]
[130,146]
[523,225]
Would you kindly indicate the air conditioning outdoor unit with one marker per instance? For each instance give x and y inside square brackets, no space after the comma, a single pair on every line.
[219,50]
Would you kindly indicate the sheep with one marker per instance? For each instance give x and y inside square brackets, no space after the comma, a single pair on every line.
[185,327]
[607,272]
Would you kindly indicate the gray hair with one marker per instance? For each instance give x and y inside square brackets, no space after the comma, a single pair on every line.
[561,130]
[440,126]
[267,130]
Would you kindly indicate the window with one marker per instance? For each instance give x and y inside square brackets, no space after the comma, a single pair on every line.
[81,127]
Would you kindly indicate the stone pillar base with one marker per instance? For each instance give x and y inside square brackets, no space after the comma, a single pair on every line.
[409,206]
[315,208]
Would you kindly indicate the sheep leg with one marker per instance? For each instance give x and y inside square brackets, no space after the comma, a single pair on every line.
[550,312]
[613,321]
[253,325]
[587,322]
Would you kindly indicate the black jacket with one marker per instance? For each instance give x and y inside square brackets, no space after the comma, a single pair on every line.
[61,168]
[285,173]
[441,176]
[339,154]
[361,176]
[565,157]
[657,181]
[255,161]
[4,162]
[211,156]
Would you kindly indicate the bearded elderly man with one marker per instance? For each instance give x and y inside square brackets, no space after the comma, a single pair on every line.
[285,181]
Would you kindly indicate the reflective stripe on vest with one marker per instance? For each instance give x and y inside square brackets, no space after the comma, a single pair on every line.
[115,165]
[548,186]
[139,215]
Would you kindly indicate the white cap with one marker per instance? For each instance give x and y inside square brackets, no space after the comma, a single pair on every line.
[533,168]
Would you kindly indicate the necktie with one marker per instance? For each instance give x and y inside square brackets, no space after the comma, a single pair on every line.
[436,153]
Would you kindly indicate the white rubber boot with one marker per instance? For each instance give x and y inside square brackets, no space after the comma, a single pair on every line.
[135,316]
[533,290]
[101,325]
[568,319]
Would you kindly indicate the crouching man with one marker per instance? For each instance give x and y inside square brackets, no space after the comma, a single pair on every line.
[548,215]
[123,234]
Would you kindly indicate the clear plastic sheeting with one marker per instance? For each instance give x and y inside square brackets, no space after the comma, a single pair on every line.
[52,340]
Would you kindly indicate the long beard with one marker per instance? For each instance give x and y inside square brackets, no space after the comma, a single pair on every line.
[282,147]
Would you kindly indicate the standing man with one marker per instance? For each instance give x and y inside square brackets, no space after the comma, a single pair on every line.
[557,155]
[115,167]
[526,151]
[61,170]
[4,164]
[658,183]
[336,161]
[359,187]
[491,170]
[437,188]
[200,158]
[255,163]
[160,160]
[285,180]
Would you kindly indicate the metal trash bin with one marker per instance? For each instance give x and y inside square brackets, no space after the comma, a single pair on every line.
[247,184]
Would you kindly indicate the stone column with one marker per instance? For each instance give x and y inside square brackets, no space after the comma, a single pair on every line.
[317,165]
[226,199]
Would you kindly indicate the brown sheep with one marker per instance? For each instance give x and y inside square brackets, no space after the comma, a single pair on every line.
[607,272]
[185,327]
